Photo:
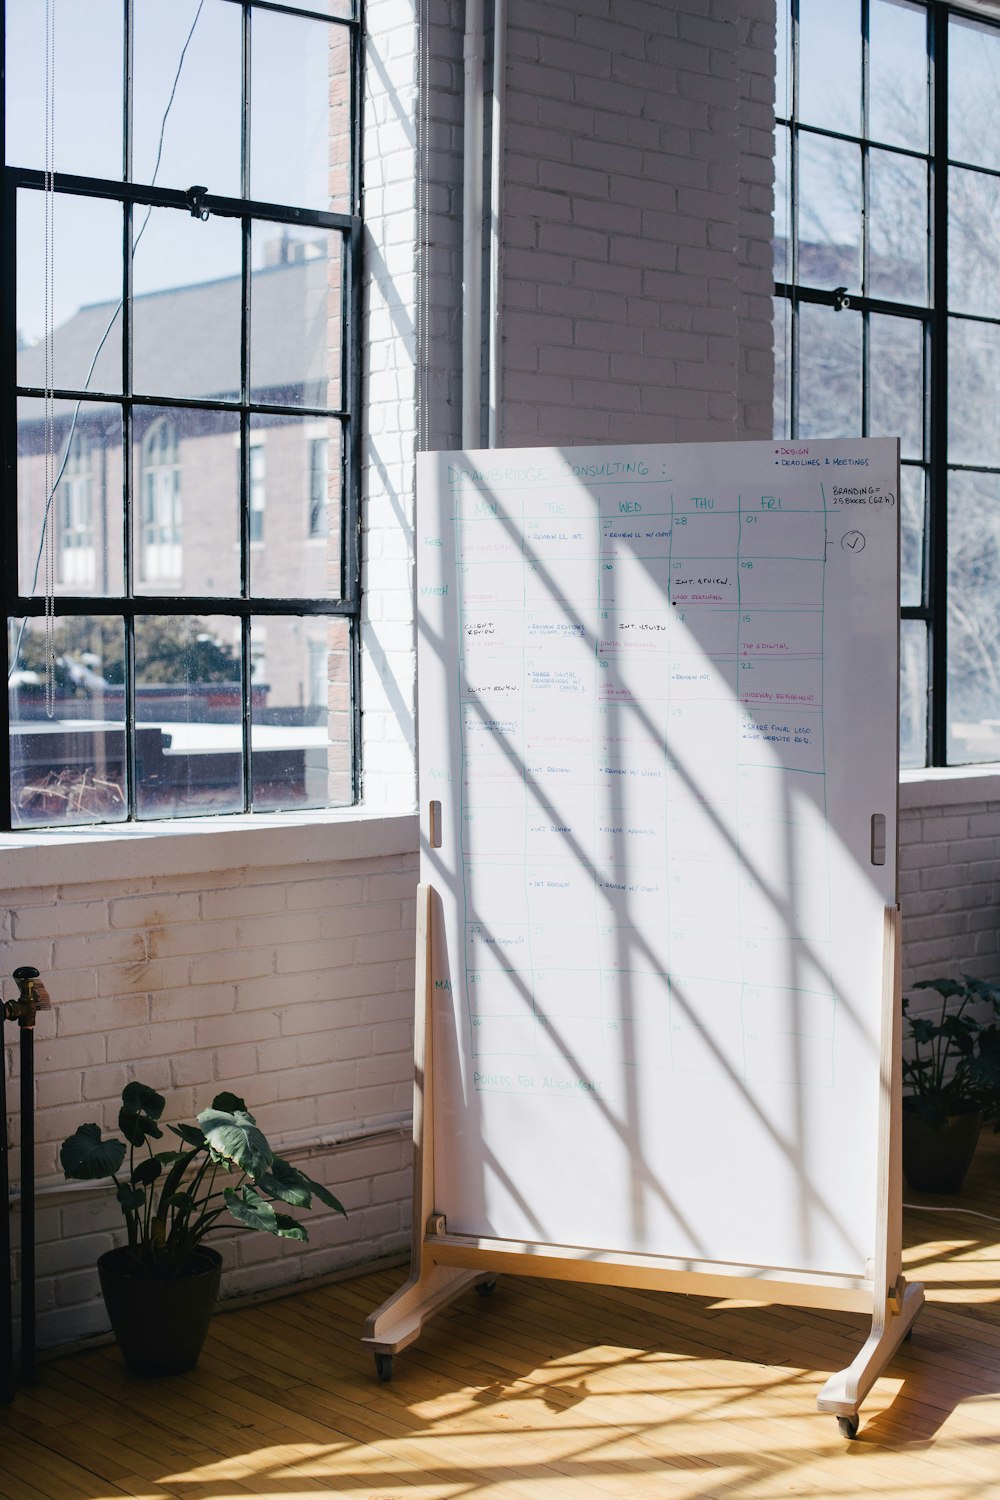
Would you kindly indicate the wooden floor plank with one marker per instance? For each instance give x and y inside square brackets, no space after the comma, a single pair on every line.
[547,1391]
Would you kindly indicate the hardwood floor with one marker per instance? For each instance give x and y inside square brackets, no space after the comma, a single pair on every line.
[546,1391]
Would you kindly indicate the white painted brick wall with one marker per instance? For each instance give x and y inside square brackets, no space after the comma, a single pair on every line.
[950,882]
[637,221]
[755,368]
[288,984]
[389,402]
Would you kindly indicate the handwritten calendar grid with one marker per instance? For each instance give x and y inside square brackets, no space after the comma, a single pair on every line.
[582,939]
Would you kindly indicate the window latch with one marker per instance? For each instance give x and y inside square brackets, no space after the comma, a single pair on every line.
[840,297]
[196,202]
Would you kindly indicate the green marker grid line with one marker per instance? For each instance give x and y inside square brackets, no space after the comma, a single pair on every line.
[826,806]
[738,607]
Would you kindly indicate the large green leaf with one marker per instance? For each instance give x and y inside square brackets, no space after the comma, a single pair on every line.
[179,1201]
[960,1032]
[234,1138]
[251,1209]
[86,1155]
[189,1133]
[129,1197]
[230,1104]
[289,1228]
[147,1171]
[141,1108]
[324,1195]
[287,1183]
[946,988]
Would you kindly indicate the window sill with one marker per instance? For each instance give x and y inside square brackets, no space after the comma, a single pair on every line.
[948,786]
[75,856]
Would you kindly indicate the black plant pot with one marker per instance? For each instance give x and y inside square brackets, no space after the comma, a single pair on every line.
[160,1323]
[936,1159]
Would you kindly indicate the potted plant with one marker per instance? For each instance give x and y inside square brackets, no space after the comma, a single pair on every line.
[160,1288]
[951,1075]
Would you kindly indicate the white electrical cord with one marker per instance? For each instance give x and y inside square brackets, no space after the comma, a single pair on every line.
[933,1208]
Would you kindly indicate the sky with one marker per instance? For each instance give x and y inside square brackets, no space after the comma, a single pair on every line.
[201,140]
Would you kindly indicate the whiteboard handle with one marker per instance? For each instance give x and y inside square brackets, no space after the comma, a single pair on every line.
[878,838]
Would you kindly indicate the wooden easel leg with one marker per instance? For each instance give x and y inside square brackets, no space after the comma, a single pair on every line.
[429,1288]
[399,1320]
[844,1392]
[896,1304]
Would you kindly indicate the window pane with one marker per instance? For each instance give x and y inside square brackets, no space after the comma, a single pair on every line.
[87,60]
[86,509]
[85,289]
[188,73]
[188,305]
[301,558]
[973,617]
[189,711]
[783,64]
[300,112]
[973,74]
[186,510]
[829,373]
[345,9]
[295,316]
[301,708]
[897,228]
[912,693]
[830,64]
[782,366]
[896,377]
[782,205]
[829,213]
[973,380]
[897,74]
[973,242]
[912,520]
[70,768]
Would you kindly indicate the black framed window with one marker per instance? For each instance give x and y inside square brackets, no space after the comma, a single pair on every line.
[887,240]
[180,397]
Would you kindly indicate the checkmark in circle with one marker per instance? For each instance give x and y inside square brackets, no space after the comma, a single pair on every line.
[853,541]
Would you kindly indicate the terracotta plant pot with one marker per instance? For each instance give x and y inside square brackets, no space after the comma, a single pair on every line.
[935,1160]
[160,1323]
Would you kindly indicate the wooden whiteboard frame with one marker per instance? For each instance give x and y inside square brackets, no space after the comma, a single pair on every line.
[444,1265]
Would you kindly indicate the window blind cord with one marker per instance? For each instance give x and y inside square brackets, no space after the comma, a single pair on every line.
[46,542]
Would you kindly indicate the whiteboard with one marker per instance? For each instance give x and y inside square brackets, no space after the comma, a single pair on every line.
[658,709]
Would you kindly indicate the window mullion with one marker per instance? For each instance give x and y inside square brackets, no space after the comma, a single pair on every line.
[8,426]
[937,517]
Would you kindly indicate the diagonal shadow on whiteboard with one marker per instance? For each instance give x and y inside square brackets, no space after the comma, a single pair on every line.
[631,685]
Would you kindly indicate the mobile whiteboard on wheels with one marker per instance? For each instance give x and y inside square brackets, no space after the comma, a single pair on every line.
[658,769]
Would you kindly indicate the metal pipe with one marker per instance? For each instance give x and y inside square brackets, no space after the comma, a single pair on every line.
[472,228]
[32,997]
[496,214]
[27,1039]
[6,1310]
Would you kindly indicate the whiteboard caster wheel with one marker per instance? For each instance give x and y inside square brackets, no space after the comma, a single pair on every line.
[848,1426]
[383,1366]
[486,1288]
